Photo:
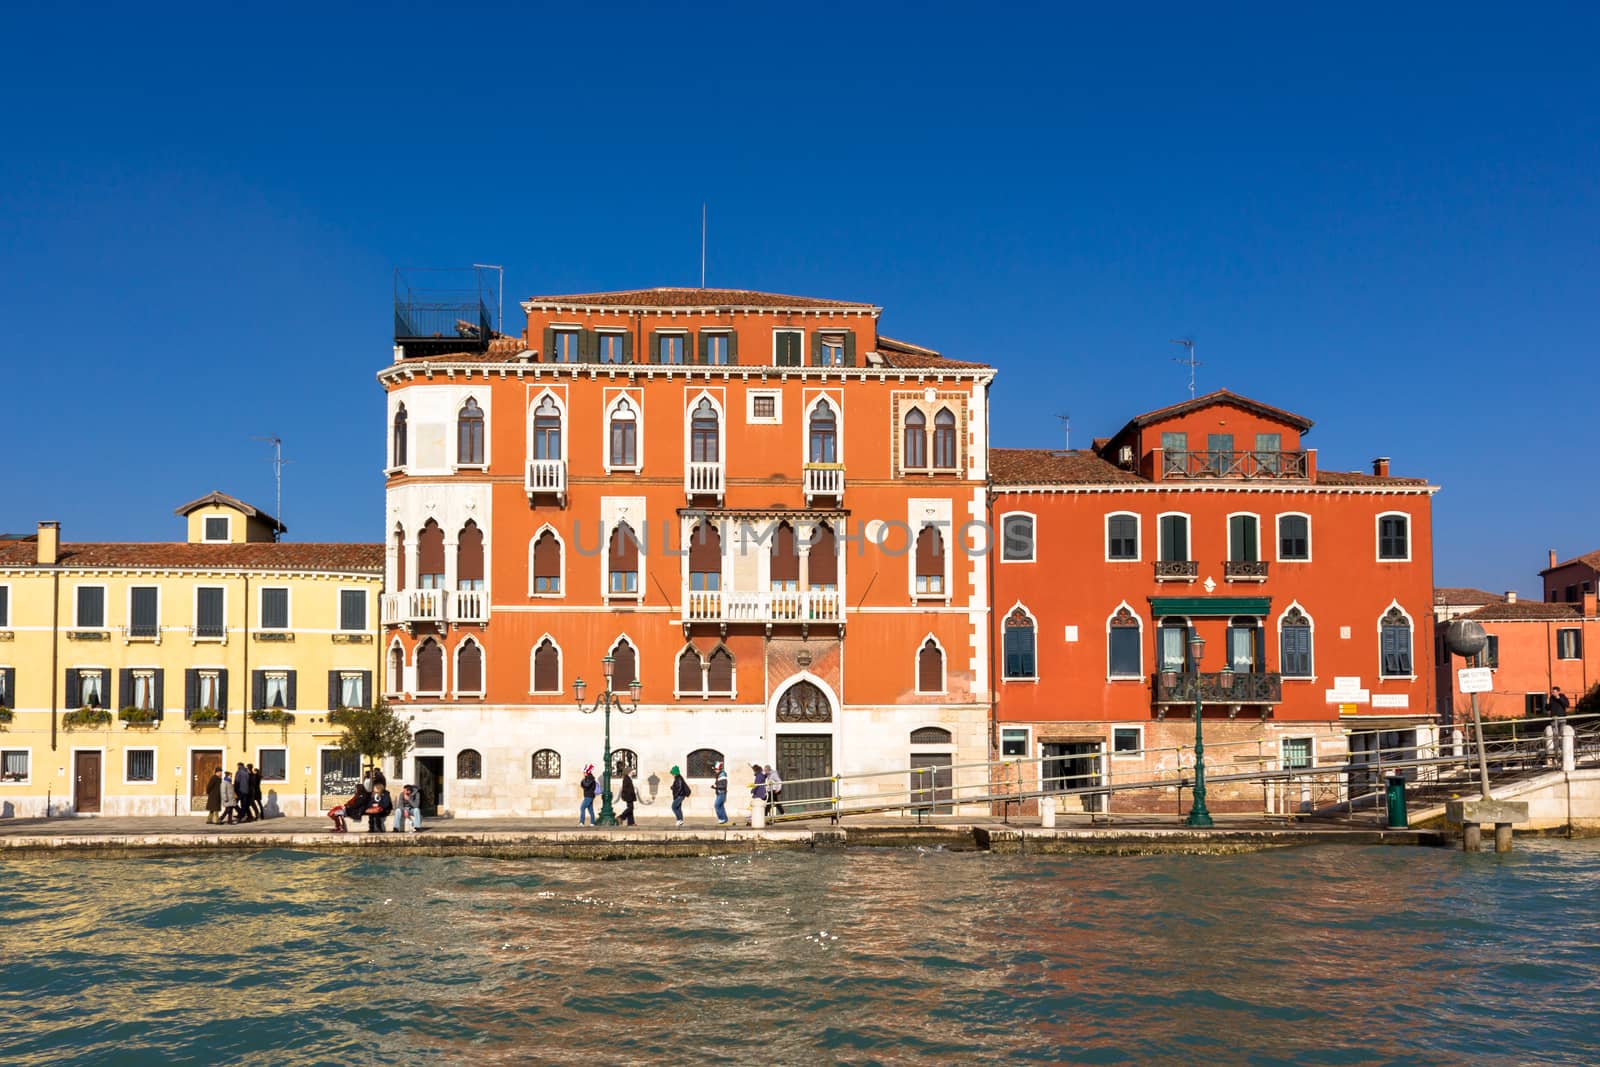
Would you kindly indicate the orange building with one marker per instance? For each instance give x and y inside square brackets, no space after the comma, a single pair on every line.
[1533,648]
[1312,590]
[1567,582]
[754,503]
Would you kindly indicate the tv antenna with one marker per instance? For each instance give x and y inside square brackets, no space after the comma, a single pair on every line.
[1066,429]
[1187,360]
[277,475]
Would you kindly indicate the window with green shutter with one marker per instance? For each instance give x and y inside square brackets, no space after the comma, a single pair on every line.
[788,348]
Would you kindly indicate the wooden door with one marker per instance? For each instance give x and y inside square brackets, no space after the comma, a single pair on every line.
[932,790]
[202,764]
[86,782]
[805,756]
[430,784]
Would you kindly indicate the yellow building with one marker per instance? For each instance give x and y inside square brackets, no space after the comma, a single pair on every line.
[129,671]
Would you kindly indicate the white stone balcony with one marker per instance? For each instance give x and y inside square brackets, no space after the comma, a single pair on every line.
[824,480]
[800,607]
[469,606]
[702,479]
[547,477]
[436,607]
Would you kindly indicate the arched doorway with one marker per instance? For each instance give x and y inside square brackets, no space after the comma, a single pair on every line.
[803,717]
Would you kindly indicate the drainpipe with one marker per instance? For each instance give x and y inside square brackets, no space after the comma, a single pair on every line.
[247,690]
[55,654]
[988,495]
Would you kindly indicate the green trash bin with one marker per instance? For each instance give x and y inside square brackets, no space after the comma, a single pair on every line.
[1395,793]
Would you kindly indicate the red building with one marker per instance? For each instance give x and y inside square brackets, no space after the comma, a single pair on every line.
[1312,590]
[1566,583]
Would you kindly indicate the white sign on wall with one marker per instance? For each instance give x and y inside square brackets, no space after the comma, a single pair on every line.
[1475,679]
[1347,691]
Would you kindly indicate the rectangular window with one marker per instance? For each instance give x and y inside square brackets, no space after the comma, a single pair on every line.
[706,581]
[788,347]
[141,765]
[1242,649]
[352,609]
[1569,644]
[208,613]
[6,674]
[613,347]
[91,603]
[1297,753]
[5,606]
[1294,537]
[547,584]
[14,765]
[274,609]
[1126,740]
[143,620]
[1219,449]
[1174,538]
[273,763]
[564,346]
[930,584]
[830,350]
[91,691]
[1013,742]
[144,690]
[1243,539]
[1294,648]
[1125,660]
[1174,442]
[1533,705]
[716,348]
[1393,542]
[216,528]
[624,582]
[353,689]
[1269,447]
[764,407]
[1174,647]
[1489,656]
[1572,594]
[1122,537]
[210,694]
[670,348]
[1396,650]
[277,689]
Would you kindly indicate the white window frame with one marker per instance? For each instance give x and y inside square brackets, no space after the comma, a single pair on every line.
[405,669]
[338,607]
[149,674]
[1138,536]
[956,410]
[601,333]
[155,765]
[1034,619]
[733,679]
[1412,623]
[1578,640]
[446,662]
[1033,536]
[194,615]
[835,400]
[946,537]
[1277,546]
[566,427]
[273,748]
[776,330]
[1283,744]
[105,606]
[1377,537]
[1111,742]
[129,606]
[722,428]
[605,571]
[562,577]
[261,609]
[483,664]
[227,520]
[1278,638]
[561,666]
[684,336]
[635,403]
[823,335]
[266,688]
[1108,628]
[944,665]
[750,416]
[1228,534]
[576,330]
[455,443]
[7,700]
[638,660]
[1188,536]
[106,703]
[28,778]
[390,464]
[705,674]
[1027,739]
[201,672]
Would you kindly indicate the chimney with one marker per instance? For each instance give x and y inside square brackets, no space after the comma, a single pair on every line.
[1552,557]
[1511,596]
[49,544]
[1590,609]
[1380,467]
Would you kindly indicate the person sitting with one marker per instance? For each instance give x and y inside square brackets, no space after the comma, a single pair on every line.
[353,808]
[409,814]
[379,805]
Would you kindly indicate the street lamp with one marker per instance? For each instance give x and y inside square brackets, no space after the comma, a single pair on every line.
[607,700]
[1198,815]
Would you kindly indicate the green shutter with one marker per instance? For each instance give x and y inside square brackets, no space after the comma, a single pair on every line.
[850,348]
[588,346]
[816,348]
[703,351]
[627,348]
[549,344]
[688,346]
[733,346]
[655,346]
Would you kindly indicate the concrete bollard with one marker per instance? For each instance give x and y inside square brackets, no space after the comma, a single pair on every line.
[1569,749]
[1047,812]
[758,816]
[1502,837]
[1471,837]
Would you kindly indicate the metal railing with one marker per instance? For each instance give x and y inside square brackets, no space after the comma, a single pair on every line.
[1221,687]
[774,606]
[546,476]
[1177,570]
[824,479]
[702,479]
[1245,570]
[1250,465]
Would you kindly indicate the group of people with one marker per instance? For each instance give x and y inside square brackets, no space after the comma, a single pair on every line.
[767,790]
[234,798]
[373,803]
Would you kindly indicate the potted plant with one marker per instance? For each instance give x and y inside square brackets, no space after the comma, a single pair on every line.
[271,717]
[132,716]
[5,715]
[205,717]
[85,717]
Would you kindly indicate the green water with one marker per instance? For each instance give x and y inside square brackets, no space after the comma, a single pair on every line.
[1325,955]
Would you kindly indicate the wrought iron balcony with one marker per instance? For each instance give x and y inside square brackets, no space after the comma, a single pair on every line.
[798,606]
[547,477]
[1177,570]
[1222,687]
[824,480]
[1247,466]
[1245,570]
[702,479]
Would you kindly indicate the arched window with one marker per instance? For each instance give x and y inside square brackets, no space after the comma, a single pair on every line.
[547,430]
[469,764]
[546,564]
[784,569]
[719,673]
[1294,644]
[822,560]
[1122,536]
[469,667]
[1244,644]
[824,434]
[704,433]
[430,739]
[469,557]
[400,436]
[1016,538]
[691,673]
[1174,530]
[1294,537]
[930,562]
[1019,645]
[702,763]
[931,735]
[916,435]
[1124,648]
[469,433]
[1394,536]
[944,440]
[1244,539]
[1395,633]
[546,667]
[804,702]
[624,435]
[399,559]
[430,667]
[930,667]
[1173,644]
[547,763]
[430,556]
[624,761]
[624,667]
[397,669]
[624,561]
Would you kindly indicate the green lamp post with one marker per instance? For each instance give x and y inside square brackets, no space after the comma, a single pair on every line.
[1198,815]
[606,701]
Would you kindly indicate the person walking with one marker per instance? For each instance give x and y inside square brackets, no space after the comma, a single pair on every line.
[254,808]
[214,797]
[230,801]
[720,803]
[588,785]
[241,792]
[680,793]
[758,791]
[774,790]
[1559,705]
[629,795]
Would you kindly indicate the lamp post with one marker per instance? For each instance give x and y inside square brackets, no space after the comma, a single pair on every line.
[1198,815]
[607,700]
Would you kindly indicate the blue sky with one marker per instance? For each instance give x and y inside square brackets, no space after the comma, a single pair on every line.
[1382,218]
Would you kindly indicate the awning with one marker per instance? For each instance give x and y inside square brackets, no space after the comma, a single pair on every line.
[1209,607]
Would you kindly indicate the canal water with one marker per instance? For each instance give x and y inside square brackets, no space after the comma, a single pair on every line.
[1309,956]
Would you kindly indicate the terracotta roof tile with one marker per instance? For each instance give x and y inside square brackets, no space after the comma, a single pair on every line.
[1044,466]
[1526,611]
[899,354]
[1461,595]
[1222,396]
[1359,478]
[1592,559]
[217,496]
[264,555]
[667,297]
